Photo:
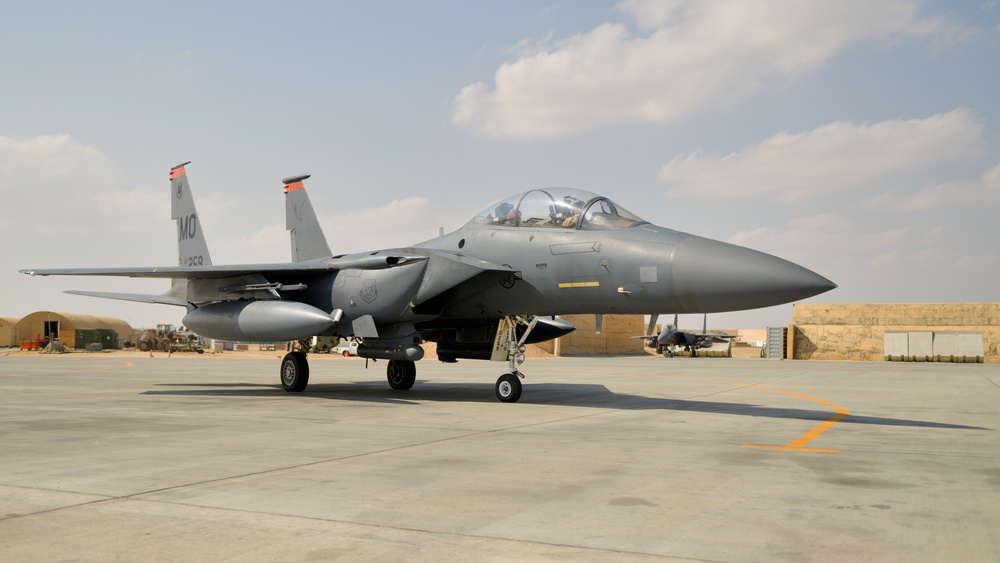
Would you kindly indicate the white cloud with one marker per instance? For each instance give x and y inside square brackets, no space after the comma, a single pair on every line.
[991,179]
[982,191]
[55,185]
[837,157]
[52,157]
[689,56]
[930,197]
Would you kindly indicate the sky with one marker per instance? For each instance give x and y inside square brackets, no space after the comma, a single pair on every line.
[860,139]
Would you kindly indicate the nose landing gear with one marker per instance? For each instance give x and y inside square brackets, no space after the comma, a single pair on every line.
[508,347]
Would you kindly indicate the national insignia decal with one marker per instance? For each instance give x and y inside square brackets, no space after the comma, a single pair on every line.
[368,291]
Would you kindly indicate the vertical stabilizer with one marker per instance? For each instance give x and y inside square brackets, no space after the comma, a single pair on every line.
[308,240]
[192,250]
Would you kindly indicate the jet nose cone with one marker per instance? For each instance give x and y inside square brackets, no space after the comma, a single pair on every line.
[711,276]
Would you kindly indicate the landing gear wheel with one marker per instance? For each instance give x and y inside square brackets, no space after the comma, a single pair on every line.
[508,388]
[401,374]
[294,372]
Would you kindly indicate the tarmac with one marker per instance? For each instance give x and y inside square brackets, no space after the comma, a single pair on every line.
[119,457]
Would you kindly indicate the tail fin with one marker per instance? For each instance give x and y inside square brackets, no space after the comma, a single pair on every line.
[192,250]
[308,240]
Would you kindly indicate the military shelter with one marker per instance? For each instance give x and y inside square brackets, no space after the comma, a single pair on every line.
[914,332]
[8,332]
[74,331]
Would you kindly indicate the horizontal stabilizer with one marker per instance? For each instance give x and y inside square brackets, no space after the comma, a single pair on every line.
[162,299]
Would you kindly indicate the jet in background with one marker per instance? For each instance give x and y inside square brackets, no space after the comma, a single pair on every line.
[671,338]
[481,292]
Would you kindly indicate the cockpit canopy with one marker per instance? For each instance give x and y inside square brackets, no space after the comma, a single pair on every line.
[558,208]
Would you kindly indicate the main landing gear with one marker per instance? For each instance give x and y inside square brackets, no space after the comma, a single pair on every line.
[294,373]
[402,374]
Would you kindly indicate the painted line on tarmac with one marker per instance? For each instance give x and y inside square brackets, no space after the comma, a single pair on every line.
[799,444]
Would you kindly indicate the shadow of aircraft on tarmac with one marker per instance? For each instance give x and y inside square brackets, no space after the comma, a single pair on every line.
[556,394]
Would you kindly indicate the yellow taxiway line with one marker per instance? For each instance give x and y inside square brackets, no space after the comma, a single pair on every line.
[799,444]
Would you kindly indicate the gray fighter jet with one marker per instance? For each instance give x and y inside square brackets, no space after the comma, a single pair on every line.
[671,337]
[481,292]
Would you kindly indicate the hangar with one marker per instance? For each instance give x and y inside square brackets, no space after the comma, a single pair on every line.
[8,334]
[875,332]
[74,331]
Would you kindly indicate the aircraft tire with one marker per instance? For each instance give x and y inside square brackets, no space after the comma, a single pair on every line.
[401,374]
[294,372]
[508,388]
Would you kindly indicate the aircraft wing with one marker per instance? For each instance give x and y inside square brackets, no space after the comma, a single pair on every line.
[366,262]
[721,336]
[202,272]
[651,336]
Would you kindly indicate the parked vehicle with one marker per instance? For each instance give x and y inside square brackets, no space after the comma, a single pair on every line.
[348,348]
[169,339]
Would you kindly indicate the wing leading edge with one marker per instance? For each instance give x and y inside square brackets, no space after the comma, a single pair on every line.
[363,262]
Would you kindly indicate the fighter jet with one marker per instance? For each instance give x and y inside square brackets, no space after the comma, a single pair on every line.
[483,291]
[671,337]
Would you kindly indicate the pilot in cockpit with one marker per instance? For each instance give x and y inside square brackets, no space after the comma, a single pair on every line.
[504,213]
[571,211]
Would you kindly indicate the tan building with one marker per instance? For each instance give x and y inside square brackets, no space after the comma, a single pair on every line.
[615,338]
[8,332]
[875,332]
[68,327]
